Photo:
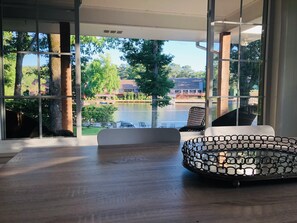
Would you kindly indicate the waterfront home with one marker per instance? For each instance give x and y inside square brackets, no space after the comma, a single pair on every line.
[182,86]
[128,86]
[189,87]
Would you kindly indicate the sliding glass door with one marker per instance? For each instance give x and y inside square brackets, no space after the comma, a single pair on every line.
[235,62]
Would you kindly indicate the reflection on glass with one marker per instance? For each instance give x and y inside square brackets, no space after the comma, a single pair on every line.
[20,74]
[228,34]
[52,75]
[252,11]
[249,78]
[22,118]
[230,77]
[16,41]
[29,80]
[213,109]
[44,74]
[250,34]
[252,51]
[47,41]
[43,42]
[234,49]
[27,69]
[52,114]
[9,73]
[53,120]
[223,13]
[72,70]
[215,75]
[233,79]
[225,112]
[247,113]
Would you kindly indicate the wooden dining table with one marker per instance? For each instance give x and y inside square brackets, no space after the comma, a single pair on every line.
[131,183]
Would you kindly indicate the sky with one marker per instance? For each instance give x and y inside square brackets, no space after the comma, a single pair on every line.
[185,53]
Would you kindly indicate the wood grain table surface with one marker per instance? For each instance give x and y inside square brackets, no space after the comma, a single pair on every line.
[143,183]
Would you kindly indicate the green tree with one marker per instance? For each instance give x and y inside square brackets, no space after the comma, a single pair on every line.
[249,70]
[9,65]
[100,76]
[127,72]
[9,74]
[177,71]
[173,70]
[201,74]
[187,71]
[18,41]
[90,46]
[153,81]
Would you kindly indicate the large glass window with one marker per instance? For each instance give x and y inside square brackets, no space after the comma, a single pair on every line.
[37,74]
[125,87]
[235,63]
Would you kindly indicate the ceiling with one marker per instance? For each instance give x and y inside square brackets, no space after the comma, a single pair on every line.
[159,19]
[149,19]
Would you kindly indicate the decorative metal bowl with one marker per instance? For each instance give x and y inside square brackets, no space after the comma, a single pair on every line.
[242,157]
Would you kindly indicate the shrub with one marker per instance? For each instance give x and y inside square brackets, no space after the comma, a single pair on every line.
[103,113]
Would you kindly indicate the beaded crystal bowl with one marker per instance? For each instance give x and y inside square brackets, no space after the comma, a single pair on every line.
[241,157]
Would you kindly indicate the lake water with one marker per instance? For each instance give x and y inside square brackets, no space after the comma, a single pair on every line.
[174,115]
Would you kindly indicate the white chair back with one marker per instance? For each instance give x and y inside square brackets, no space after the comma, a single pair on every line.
[137,136]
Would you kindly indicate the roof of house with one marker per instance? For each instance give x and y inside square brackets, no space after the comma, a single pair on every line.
[187,83]
[128,84]
[180,83]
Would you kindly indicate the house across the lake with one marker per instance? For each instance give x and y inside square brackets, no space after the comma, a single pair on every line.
[182,86]
[128,86]
[188,87]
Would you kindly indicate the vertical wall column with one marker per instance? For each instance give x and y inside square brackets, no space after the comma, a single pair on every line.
[66,81]
[223,73]
[281,90]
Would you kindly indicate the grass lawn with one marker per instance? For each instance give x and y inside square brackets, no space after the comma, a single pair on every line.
[88,131]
